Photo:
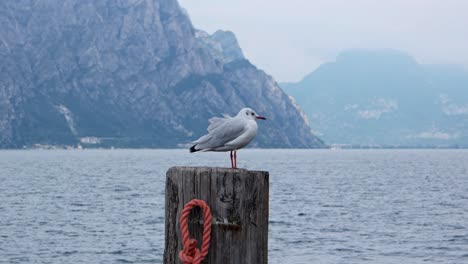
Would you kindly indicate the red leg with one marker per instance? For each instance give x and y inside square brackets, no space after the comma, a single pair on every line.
[232,161]
[235,159]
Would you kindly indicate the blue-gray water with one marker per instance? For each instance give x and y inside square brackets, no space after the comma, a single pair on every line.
[326,206]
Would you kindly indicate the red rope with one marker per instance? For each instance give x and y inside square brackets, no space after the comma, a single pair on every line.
[190,254]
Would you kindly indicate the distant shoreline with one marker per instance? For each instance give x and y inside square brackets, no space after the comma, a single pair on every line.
[79,147]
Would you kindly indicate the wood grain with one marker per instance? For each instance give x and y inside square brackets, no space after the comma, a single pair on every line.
[238,199]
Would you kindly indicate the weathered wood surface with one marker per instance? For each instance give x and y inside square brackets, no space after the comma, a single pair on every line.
[239,203]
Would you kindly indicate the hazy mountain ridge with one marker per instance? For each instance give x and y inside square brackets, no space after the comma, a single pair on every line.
[126,74]
[385,98]
[222,45]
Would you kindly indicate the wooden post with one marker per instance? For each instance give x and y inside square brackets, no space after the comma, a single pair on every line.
[238,199]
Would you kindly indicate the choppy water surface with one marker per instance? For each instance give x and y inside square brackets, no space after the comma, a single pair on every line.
[346,206]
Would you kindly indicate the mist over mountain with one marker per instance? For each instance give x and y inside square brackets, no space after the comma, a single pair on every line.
[128,74]
[385,98]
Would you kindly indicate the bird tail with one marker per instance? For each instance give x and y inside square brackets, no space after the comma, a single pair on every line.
[192,149]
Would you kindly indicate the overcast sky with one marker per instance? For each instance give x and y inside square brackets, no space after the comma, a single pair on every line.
[290,38]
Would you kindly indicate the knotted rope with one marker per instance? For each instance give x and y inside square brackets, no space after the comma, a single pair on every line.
[190,254]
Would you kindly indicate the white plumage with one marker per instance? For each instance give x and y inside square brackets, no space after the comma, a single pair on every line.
[229,133]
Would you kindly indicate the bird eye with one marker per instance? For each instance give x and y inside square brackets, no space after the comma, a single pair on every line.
[252,113]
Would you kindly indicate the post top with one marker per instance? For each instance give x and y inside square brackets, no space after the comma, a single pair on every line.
[215,169]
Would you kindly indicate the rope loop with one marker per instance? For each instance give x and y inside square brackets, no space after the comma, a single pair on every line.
[190,254]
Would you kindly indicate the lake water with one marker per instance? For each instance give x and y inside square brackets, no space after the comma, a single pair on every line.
[326,206]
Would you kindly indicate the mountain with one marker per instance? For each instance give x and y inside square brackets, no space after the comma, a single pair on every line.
[385,98]
[128,73]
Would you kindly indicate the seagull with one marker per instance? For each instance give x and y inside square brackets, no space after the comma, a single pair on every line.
[229,133]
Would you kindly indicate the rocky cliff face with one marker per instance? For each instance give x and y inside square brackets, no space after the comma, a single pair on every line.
[222,45]
[127,73]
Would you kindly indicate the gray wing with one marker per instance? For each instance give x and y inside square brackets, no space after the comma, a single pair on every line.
[223,133]
[217,121]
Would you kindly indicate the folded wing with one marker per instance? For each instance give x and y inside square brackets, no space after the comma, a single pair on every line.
[221,131]
[217,121]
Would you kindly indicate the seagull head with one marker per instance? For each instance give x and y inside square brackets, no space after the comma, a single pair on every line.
[249,114]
